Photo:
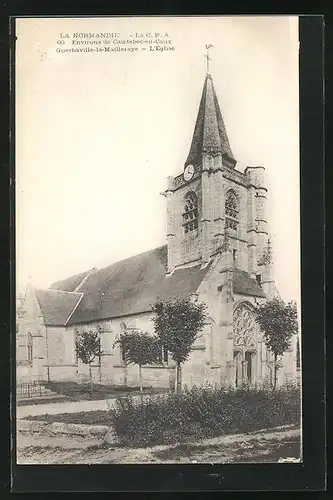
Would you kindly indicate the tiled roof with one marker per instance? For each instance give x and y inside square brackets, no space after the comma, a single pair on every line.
[245,285]
[70,283]
[210,134]
[57,306]
[133,285]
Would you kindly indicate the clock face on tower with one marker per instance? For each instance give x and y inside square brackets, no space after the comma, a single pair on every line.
[188,172]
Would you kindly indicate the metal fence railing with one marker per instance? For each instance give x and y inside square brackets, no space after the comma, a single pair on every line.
[31,389]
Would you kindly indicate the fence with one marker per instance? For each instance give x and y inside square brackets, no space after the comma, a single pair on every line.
[31,389]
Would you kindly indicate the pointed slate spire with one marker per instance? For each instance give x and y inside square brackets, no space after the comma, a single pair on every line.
[210,135]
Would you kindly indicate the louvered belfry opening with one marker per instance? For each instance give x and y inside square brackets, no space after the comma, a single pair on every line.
[190,214]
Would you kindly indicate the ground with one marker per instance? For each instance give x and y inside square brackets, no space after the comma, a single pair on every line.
[62,449]
[52,447]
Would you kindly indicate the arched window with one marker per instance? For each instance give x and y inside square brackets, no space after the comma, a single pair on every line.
[29,348]
[245,332]
[245,328]
[231,211]
[190,215]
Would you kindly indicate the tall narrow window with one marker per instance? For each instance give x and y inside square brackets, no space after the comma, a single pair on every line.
[190,214]
[231,211]
[238,363]
[30,348]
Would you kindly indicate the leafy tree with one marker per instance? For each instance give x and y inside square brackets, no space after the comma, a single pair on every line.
[278,322]
[139,348]
[88,347]
[177,323]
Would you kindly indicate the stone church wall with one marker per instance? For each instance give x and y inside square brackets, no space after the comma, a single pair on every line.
[61,354]
[112,369]
[31,322]
[211,359]
[201,366]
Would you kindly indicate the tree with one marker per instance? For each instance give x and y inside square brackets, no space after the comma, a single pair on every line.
[278,321]
[139,348]
[177,323]
[88,347]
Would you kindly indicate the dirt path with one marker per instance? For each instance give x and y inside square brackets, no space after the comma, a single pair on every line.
[55,407]
[257,447]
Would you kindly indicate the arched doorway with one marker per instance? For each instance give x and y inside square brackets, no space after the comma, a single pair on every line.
[245,336]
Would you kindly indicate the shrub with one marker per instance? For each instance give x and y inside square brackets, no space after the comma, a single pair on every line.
[201,413]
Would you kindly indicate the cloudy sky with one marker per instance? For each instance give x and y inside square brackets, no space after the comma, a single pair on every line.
[97,134]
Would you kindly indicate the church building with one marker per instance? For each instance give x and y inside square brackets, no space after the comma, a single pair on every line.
[218,252]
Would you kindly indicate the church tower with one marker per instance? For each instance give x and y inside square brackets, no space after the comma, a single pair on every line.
[211,199]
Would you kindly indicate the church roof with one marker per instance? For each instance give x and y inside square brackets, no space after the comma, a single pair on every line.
[132,286]
[245,285]
[71,283]
[57,306]
[210,135]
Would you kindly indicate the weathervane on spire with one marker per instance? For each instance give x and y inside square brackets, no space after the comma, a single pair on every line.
[207,57]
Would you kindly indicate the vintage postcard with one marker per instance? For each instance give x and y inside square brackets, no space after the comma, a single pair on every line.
[158,240]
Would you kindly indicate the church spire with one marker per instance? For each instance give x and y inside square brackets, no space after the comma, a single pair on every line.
[210,135]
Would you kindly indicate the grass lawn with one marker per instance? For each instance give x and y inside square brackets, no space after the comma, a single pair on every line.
[98,417]
[70,391]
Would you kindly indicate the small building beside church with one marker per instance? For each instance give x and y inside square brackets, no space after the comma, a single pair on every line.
[218,252]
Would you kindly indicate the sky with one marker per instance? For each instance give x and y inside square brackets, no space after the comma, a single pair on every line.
[97,134]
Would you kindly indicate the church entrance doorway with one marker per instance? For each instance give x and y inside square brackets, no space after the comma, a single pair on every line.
[244,363]
[245,336]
